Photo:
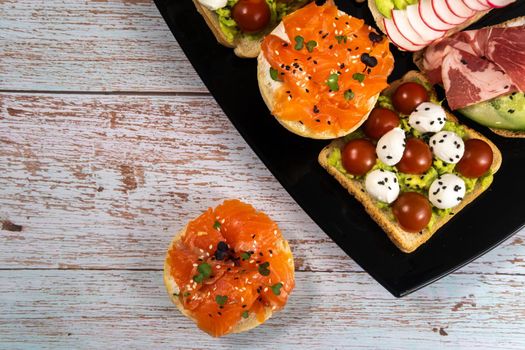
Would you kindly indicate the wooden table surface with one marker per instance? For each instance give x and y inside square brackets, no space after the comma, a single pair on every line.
[109,143]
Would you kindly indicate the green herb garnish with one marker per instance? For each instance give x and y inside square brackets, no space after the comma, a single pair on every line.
[349,94]
[221,299]
[359,77]
[332,82]
[263,269]
[244,314]
[186,294]
[274,74]
[276,288]
[204,270]
[216,225]
[340,38]
[310,45]
[299,42]
[246,255]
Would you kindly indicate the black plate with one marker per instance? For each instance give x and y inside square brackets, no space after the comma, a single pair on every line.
[481,226]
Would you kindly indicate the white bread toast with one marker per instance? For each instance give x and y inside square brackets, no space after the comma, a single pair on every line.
[418,60]
[173,289]
[405,241]
[243,46]
[378,17]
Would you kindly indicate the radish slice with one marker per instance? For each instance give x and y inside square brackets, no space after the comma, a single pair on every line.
[474,5]
[405,28]
[397,39]
[460,9]
[430,17]
[485,4]
[445,14]
[417,23]
[500,3]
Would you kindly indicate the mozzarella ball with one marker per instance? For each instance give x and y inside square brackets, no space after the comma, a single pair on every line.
[447,191]
[214,4]
[427,117]
[391,146]
[447,146]
[382,185]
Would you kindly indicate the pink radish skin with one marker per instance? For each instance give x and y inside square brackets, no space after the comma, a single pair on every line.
[397,39]
[430,17]
[484,3]
[500,3]
[405,28]
[416,21]
[443,12]
[474,5]
[460,9]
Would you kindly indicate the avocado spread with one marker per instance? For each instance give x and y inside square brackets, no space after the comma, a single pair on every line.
[230,29]
[409,182]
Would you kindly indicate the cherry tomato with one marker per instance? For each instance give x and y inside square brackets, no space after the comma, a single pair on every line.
[408,96]
[359,156]
[476,160]
[251,15]
[379,122]
[417,157]
[412,210]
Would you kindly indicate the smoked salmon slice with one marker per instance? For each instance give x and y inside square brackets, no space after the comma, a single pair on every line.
[230,264]
[331,69]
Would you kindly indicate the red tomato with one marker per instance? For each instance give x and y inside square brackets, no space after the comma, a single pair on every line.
[412,210]
[379,122]
[251,15]
[358,156]
[408,96]
[476,160]
[417,157]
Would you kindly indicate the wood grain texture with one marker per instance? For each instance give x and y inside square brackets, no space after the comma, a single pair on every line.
[116,176]
[129,309]
[93,45]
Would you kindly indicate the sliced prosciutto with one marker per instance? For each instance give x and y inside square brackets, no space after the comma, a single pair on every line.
[478,65]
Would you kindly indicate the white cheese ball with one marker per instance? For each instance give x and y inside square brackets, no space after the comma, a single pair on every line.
[427,117]
[382,185]
[447,191]
[213,4]
[447,146]
[391,146]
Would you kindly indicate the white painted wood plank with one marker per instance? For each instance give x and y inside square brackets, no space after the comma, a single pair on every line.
[105,181]
[105,309]
[71,45]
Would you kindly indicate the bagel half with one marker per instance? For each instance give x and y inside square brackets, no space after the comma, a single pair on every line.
[173,289]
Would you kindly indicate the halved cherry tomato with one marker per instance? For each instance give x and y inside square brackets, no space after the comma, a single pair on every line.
[417,157]
[379,122]
[358,156]
[251,15]
[412,210]
[476,160]
[408,96]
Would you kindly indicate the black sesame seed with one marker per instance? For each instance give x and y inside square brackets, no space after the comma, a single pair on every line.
[384,147]
[316,109]
[439,200]
[510,111]
[388,157]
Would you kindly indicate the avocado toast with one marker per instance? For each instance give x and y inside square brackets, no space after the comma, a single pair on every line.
[381,211]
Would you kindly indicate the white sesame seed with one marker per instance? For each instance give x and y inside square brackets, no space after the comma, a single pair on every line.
[211,246]
[218,267]
[298,29]
[251,261]
[223,221]
[266,289]
[207,254]
[276,52]
[242,299]
[195,265]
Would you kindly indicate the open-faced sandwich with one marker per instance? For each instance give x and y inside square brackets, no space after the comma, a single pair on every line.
[241,24]
[413,24]
[320,71]
[229,269]
[483,74]
[411,164]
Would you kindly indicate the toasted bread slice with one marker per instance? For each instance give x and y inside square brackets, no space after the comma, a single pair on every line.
[378,17]
[244,46]
[405,241]
[244,324]
[518,21]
